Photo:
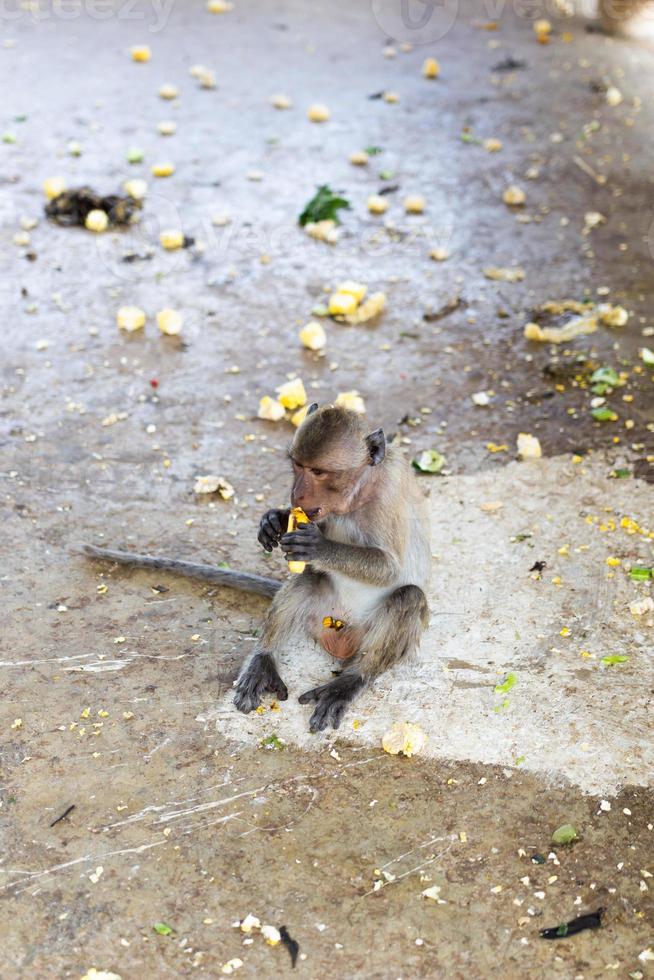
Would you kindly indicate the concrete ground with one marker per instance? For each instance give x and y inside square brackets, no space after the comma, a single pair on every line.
[117,684]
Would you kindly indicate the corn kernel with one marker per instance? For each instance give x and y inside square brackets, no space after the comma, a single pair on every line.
[166,127]
[170,322]
[130,318]
[219,6]
[140,52]
[359,158]
[377,204]
[372,307]
[168,91]
[270,409]
[313,335]
[430,68]
[53,187]
[280,102]
[97,220]
[171,238]
[492,145]
[165,169]
[414,204]
[292,394]
[542,27]
[391,97]
[318,113]
[439,254]
[340,304]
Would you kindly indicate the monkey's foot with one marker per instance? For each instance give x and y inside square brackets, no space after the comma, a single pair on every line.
[259,677]
[331,700]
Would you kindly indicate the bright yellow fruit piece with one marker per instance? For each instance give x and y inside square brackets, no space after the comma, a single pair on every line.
[165,169]
[166,127]
[318,113]
[430,68]
[351,400]
[168,91]
[292,394]
[171,238]
[340,304]
[295,517]
[313,335]
[270,409]
[140,52]
[377,204]
[414,204]
[219,6]
[170,322]
[130,318]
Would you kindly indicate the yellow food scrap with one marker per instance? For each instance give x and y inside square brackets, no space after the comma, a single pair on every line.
[391,97]
[324,231]
[613,562]
[219,6]
[565,631]
[341,304]
[558,335]
[493,447]
[163,169]
[405,738]
[292,394]
[280,101]
[171,238]
[296,516]
[352,288]
[528,446]
[270,409]
[17,723]
[329,623]
[313,335]
[613,96]
[167,127]
[170,322]
[168,91]
[359,158]
[97,220]
[377,204]
[515,274]
[612,316]
[372,307]
[439,254]
[271,935]
[318,113]
[140,52]
[351,400]
[53,187]
[214,484]
[514,195]
[130,318]
[430,68]
[492,145]
[414,204]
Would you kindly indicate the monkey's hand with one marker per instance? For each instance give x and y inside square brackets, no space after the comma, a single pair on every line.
[272,526]
[305,543]
[259,677]
[331,700]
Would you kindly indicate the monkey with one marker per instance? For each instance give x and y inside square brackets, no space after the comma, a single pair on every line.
[367,554]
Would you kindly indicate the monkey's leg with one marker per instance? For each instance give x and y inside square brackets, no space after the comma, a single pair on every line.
[290,616]
[392,633]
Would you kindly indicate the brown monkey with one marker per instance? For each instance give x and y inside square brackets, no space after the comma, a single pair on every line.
[368,560]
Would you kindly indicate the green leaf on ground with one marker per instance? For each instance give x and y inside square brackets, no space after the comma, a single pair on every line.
[373,151]
[641,574]
[135,155]
[614,658]
[162,929]
[323,206]
[272,741]
[604,414]
[509,682]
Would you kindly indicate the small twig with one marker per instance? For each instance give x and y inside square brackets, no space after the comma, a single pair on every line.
[63,815]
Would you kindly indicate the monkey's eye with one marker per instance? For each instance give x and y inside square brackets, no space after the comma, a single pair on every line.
[317,472]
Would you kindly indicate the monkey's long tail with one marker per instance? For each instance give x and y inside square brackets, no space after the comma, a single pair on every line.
[243,581]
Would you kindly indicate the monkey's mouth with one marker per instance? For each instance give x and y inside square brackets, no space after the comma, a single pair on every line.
[314,513]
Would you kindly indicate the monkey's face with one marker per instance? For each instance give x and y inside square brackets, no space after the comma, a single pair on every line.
[320,492]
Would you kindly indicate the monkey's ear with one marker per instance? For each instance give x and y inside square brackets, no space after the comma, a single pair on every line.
[376,443]
[311,409]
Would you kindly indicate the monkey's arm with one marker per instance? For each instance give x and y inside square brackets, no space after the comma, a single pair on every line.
[371,565]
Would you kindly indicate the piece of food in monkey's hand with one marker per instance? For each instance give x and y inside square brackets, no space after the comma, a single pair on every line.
[404,737]
[591,921]
[296,517]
